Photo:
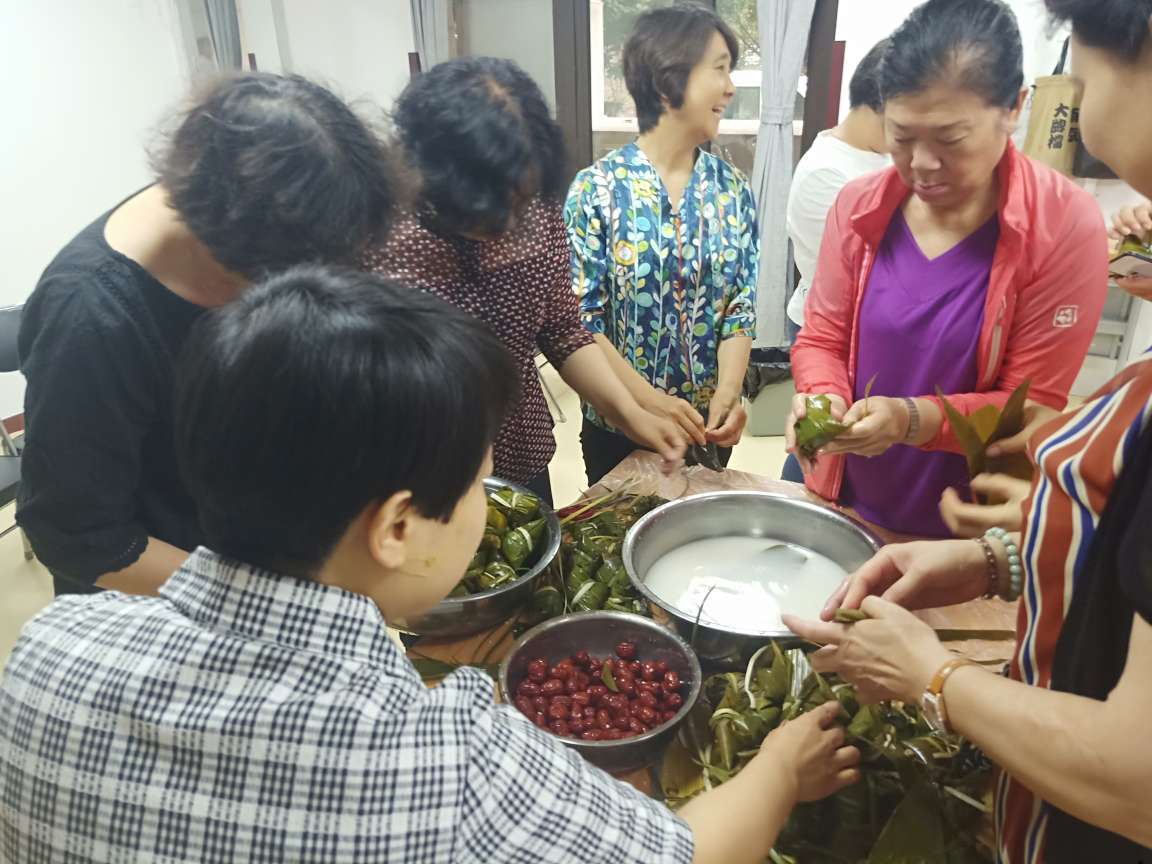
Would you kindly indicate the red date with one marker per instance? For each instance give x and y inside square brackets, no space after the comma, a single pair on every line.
[626,650]
[559,727]
[571,700]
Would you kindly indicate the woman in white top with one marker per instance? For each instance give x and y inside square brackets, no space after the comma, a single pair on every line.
[837,156]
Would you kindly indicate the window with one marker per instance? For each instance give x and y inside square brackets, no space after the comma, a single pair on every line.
[613,115]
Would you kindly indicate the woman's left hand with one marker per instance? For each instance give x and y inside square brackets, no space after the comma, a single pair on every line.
[890,655]
[726,419]
[874,425]
[1138,286]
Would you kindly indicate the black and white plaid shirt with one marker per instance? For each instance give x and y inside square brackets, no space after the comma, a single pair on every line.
[243,717]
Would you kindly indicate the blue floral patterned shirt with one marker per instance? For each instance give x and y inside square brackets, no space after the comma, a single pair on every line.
[665,286]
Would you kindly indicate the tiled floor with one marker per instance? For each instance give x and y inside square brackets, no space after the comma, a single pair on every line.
[26,587]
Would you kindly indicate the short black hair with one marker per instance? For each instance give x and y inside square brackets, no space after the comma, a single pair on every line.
[864,88]
[1119,26]
[664,47]
[269,171]
[481,136]
[321,391]
[973,43]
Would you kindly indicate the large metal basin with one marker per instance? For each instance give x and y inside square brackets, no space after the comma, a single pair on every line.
[453,617]
[739,514]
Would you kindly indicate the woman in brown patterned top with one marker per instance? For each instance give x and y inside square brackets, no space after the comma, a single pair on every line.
[489,237]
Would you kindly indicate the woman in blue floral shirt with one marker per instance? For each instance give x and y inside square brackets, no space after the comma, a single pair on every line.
[665,241]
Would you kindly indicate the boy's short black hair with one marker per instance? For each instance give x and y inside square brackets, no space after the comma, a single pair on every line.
[481,136]
[1119,26]
[269,171]
[864,88]
[972,43]
[321,391]
[664,47]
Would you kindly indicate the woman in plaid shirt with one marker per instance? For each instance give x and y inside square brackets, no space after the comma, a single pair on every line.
[257,710]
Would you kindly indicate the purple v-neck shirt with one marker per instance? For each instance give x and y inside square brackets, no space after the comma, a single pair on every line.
[919,329]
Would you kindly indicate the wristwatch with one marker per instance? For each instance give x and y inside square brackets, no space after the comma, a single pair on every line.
[932,699]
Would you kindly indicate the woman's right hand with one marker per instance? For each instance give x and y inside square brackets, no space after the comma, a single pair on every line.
[678,411]
[812,753]
[921,575]
[798,412]
[1136,220]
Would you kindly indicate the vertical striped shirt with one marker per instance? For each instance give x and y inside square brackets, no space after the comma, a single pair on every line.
[1079,457]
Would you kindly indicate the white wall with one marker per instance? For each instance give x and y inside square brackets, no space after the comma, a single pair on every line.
[359,48]
[519,30]
[84,87]
[863,23]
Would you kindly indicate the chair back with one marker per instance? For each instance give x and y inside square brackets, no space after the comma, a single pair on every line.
[9,331]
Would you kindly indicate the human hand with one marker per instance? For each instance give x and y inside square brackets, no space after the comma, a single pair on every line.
[811,753]
[892,654]
[1136,219]
[799,411]
[656,433]
[921,575]
[874,425]
[1035,416]
[1138,286]
[678,411]
[965,519]
[726,419]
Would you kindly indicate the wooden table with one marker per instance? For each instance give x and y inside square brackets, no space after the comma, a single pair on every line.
[640,473]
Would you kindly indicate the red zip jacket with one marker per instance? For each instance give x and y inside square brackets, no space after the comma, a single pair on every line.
[1046,292]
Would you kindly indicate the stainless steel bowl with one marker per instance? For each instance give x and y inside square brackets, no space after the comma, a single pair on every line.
[740,514]
[598,633]
[462,616]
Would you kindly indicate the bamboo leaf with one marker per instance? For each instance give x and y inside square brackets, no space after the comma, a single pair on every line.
[969,438]
[984,421]
[1011,420]
[609,679]
[914,833]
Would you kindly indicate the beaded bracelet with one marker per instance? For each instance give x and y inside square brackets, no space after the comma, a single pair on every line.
[993,568]
[1015,569]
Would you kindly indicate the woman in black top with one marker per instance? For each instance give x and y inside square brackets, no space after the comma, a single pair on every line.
[263,172]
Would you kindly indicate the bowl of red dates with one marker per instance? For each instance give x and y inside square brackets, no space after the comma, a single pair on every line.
[610,685]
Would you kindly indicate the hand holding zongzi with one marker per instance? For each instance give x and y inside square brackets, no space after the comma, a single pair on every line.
[875,424]
[815,420]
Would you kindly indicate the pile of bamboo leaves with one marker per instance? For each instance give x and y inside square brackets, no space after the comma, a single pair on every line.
[922,796]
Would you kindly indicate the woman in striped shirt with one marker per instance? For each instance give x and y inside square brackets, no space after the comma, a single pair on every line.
[1072,745]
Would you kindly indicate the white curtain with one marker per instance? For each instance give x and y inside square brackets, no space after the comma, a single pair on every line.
[431,31]
[225,27]
[784,26]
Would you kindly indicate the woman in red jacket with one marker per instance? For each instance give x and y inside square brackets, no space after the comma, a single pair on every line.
[965,268]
